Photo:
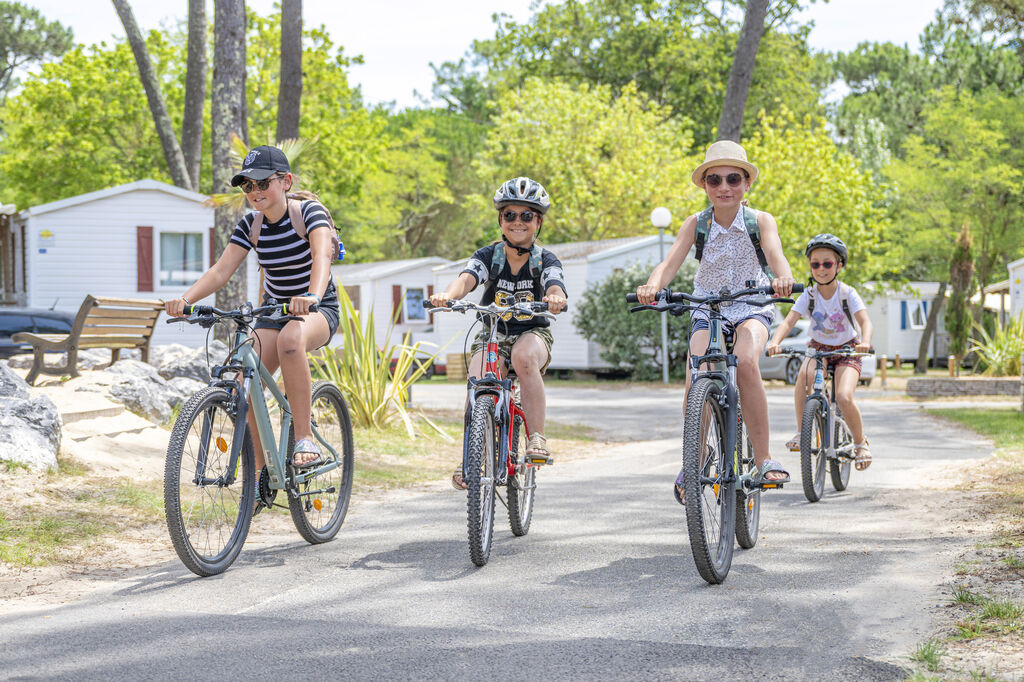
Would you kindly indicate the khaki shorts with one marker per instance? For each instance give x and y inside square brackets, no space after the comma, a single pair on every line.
[506,341]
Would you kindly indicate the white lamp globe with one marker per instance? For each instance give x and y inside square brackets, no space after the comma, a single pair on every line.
[661,217]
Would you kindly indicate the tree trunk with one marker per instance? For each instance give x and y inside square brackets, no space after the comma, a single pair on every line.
[164,129]
[195,91]
[289,94]
[742,73]
[226,116]
[921,367]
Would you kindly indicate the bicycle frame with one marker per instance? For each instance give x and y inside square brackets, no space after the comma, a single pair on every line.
[821,391]
[245,363]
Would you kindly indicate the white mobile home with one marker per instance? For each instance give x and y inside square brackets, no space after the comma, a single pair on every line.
[583,263]
[1016,270]
[899,319]
[146,239]
[387,286]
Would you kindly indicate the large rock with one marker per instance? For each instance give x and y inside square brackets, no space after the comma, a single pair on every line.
[176,360]
[30,431]
[12,385]
[139,387]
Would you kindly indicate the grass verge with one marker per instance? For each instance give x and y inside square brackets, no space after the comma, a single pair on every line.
[983,637]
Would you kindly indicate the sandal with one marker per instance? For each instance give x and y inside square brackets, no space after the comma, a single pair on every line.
[794,443]
[758,480]
[457,481]
[308,446]
[537,451]
[862,455]
[678,490]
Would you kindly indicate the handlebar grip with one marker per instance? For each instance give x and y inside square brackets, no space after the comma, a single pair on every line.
[631,298]
[797,287]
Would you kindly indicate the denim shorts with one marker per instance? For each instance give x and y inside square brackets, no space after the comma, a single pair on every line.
[328,308]
[728,328]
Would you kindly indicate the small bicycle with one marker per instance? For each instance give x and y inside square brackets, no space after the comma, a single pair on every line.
[496,435]
[824,434]
[718,459]
[210,485]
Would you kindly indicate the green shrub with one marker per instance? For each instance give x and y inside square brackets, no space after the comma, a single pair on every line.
[999,353]
[632,341]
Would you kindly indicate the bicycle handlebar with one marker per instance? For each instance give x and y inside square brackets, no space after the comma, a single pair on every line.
[198,314]
[532,308]
[814,353]
[668,300]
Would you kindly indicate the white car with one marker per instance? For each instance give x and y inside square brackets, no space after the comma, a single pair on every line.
[787,367]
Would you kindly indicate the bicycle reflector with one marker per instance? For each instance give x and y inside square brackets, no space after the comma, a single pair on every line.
[222,444]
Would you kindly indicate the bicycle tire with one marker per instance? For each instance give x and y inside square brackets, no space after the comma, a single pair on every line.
[709,485]
[812,449]
[318,517]
[839,469]
[521,487]
[748,502]
[207,520]
[481,455]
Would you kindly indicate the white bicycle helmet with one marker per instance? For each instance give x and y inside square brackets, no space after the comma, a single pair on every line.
[522,191]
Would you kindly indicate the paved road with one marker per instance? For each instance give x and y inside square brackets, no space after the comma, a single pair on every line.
[602,587]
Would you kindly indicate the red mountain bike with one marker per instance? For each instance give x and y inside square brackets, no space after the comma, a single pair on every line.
[496,434]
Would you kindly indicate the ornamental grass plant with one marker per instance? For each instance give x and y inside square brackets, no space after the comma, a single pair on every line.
[999,353]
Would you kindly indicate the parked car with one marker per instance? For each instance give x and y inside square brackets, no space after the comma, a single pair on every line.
[35,320]
[787,367]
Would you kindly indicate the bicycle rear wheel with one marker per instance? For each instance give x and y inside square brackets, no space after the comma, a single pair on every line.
[207,516]
[748,502]
[709,485]
[521,486]
[842,441]
[812,449]
[319,504]
[481,455]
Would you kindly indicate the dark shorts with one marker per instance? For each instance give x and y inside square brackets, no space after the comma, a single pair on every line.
[838,361]
[728,328]
[506,341]
[328,308]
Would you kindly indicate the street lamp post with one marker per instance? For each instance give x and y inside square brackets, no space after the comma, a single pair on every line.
[661,218]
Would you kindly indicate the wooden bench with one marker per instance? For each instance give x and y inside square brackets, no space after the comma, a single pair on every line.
[113,323]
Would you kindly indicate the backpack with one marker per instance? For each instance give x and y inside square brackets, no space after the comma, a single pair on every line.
[298,224]
[844,301]
[753,231]
[498,260]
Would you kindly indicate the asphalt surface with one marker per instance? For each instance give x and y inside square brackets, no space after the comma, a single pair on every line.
[602,587]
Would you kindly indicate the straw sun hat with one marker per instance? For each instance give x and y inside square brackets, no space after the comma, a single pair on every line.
[724,153]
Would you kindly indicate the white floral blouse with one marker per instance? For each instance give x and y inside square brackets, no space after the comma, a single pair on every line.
[728,262]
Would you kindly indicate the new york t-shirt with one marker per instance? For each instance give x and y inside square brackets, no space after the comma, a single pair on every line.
[829,324]
[519,287]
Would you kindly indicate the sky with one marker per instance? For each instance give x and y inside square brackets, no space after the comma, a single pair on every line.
[400,38]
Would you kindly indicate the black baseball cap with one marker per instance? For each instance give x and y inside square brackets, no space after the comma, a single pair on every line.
[261,162]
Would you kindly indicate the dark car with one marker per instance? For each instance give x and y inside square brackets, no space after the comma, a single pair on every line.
[35,320]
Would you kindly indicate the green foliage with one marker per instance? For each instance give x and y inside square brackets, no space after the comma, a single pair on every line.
[811,186]
[361,369]
[633,340]
[677,52]
[961,274]
[929,653]
[26,37]
[999,353]
[605,160]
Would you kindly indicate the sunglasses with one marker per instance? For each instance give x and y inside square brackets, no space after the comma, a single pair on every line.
[525,216]
[714,180]
[248,185]
[827,264]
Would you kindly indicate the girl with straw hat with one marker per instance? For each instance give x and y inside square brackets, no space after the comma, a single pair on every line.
[735,244]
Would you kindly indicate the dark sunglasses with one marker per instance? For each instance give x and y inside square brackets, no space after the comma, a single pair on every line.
[827,264]
[714,180]
[525,216]
[248,185]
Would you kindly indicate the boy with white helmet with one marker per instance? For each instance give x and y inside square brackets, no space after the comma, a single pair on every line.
[516,270]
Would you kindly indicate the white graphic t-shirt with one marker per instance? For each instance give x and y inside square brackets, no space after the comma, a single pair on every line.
[829,324]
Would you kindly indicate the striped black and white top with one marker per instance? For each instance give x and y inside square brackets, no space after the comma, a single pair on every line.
[284,256]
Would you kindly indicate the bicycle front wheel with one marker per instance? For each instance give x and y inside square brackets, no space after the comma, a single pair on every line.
[748,502]
[812,449]
[521,486]
[842,441]
[481,456]
[319,504]
[709,485]
[208,499]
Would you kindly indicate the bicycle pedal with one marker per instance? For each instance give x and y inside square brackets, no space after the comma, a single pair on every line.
[771,486]
[541,461]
